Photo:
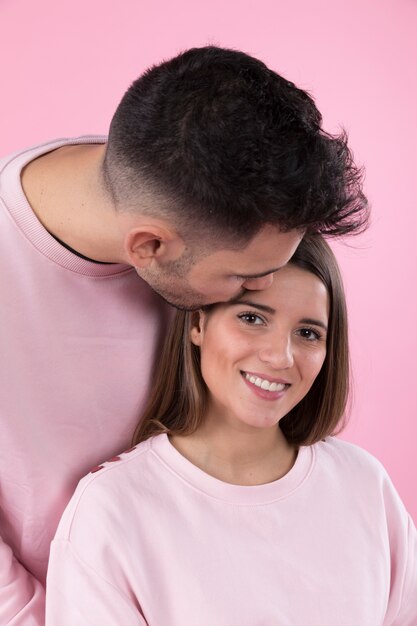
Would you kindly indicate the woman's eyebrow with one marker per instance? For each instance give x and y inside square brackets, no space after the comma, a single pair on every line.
[255,305]
[309,320]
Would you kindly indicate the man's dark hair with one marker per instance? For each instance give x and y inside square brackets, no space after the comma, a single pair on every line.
[232,146]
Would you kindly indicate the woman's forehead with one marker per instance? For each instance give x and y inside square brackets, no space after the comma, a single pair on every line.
[293,289]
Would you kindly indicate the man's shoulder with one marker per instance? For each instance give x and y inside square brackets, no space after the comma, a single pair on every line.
[25,155]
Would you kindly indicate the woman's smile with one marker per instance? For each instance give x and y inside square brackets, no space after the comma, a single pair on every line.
[265,387]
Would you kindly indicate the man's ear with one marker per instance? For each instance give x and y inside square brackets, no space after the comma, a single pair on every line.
[197,327]
[149,243]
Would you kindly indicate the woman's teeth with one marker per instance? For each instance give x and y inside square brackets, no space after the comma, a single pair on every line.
[264,384]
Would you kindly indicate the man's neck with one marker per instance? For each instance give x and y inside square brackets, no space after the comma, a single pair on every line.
[65,191]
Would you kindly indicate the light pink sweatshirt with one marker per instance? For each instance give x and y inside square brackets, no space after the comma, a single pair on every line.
[77,342]
[149,538]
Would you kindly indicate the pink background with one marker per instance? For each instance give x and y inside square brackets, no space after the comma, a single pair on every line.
[66,64]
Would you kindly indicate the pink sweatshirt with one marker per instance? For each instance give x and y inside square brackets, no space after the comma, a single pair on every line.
[149,538]
[77,344]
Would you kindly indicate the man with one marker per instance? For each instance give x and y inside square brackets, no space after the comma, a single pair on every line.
[213,170]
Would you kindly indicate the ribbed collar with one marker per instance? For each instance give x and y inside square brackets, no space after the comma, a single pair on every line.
[18,206]
[234,494]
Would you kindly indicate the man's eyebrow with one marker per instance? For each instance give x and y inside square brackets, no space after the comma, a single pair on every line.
[255,305]
[261,275]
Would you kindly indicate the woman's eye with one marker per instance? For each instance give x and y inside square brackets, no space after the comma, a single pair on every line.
[309,334]
[251,318]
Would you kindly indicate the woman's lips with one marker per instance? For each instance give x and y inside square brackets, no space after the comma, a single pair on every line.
[265,387]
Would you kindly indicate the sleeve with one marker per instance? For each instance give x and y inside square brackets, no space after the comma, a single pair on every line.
[407,614]
[22,597]
[77,594]
[402,537]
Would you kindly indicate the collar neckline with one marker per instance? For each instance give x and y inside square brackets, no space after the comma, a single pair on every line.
[24,217]
[234,494]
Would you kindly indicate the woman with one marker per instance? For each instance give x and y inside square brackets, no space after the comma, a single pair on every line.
[237,507]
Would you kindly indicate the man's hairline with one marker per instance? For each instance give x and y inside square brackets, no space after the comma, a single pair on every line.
[213,233]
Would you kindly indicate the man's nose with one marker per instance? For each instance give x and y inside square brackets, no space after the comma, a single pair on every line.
[263,282]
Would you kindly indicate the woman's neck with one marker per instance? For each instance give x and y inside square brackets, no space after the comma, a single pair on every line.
[238,455]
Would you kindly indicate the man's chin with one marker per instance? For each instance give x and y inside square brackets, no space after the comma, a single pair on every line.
[193,304]
[181,304]
[184,299]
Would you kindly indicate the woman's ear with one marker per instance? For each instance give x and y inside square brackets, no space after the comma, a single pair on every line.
[196,333]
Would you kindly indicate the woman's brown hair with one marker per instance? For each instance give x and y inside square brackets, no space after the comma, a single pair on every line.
[179,394]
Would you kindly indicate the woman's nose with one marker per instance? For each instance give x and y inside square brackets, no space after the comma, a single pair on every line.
[263,282]
[278,352]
